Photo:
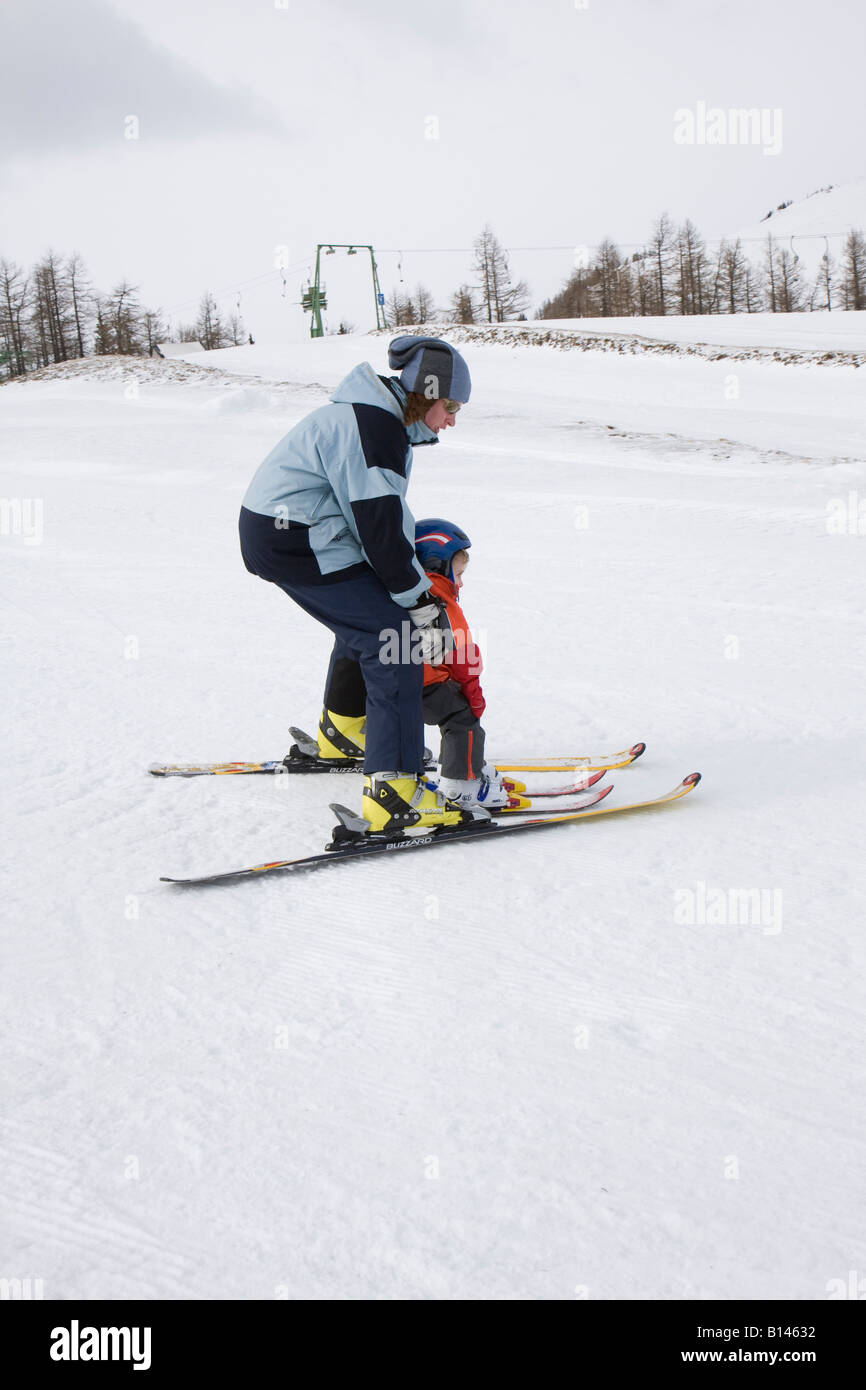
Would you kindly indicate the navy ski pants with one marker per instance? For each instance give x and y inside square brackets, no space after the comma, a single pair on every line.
[357,610]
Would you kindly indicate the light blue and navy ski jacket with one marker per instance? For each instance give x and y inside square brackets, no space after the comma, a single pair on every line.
[330,498]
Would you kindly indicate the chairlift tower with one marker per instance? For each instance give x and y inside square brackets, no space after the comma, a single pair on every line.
[313,299]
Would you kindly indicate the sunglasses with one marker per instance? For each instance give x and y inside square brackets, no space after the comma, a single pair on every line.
[452,407]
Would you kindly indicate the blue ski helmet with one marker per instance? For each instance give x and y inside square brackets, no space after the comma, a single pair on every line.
[437,542]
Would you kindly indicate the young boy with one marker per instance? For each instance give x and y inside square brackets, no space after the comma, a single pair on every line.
[453,698]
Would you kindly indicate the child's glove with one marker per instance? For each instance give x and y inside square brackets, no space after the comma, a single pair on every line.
[433,644]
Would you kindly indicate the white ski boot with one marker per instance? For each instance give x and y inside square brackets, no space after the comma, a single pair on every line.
[486,793]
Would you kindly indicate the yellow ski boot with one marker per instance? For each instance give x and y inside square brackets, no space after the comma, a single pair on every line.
[392,801]
[341,736]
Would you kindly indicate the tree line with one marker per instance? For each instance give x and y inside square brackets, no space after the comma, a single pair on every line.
[52,313]
[491,297]
[676,273]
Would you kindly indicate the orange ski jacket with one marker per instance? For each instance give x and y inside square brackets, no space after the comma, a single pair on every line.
[463,663]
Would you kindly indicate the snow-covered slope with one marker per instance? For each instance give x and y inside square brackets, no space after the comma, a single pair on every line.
[811,225]
[803,339]
[830,211]
[566,1065]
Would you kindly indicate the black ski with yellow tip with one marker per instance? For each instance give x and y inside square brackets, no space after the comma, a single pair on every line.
[349,843]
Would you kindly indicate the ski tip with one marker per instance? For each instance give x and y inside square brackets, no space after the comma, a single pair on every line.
[692,779]
[637,751]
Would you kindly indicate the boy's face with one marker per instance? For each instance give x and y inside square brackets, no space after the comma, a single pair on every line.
[458,565]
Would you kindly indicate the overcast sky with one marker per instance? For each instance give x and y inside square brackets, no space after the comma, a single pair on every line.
[266,123]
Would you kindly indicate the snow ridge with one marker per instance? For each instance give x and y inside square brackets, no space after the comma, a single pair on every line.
[627,344]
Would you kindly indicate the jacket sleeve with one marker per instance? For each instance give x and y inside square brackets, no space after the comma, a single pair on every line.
[369,474]
[464,661]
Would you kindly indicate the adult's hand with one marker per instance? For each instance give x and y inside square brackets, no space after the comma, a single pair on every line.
[433,644]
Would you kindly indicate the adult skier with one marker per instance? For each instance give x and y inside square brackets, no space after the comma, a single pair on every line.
[325,518]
